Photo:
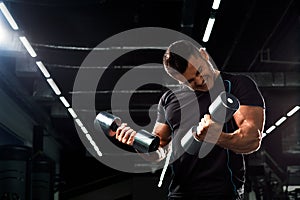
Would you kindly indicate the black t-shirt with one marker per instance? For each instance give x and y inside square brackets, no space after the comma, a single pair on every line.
[181,109]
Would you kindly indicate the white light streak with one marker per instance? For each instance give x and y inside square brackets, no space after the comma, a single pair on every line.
[293,111]
[64,101]
[43,69]
[8,16]
[270,129]
[280,121]
[72,112]
[208,29]
[79,123]
[216,4]
[53,86]
[84,130]
[28,46]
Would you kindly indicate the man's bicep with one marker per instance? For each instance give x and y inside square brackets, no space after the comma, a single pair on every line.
[253,116]
[163,131]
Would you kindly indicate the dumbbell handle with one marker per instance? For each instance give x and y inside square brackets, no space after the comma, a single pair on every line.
[221,111]
[143,140]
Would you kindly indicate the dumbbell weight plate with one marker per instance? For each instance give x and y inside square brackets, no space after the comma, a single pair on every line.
[107,122]
[145,142]
[223,107]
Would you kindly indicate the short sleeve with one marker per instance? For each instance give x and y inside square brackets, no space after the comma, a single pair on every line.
[161,111]
[247,92]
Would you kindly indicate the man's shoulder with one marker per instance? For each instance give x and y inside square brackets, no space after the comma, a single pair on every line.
[230,75]
[237,78]
[174,93]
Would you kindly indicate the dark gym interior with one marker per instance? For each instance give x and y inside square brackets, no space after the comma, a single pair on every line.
[42,152]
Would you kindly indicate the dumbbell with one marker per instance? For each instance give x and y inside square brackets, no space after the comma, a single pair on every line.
[221,111]
[143,140]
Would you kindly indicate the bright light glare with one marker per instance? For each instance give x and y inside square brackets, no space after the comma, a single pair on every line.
[3,33]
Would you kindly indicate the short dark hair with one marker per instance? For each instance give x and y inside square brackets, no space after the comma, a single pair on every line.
[176,57]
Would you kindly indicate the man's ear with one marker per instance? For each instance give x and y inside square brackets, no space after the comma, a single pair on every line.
[203,53]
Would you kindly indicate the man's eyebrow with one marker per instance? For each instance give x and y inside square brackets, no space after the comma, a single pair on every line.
[190,80]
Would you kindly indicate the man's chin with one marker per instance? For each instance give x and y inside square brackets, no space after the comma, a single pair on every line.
[202,88]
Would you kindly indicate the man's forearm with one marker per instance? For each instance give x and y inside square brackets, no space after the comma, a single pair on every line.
[241,141]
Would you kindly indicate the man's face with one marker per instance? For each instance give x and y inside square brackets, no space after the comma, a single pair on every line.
[199,75]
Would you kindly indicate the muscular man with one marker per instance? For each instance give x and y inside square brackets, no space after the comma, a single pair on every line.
[221,173]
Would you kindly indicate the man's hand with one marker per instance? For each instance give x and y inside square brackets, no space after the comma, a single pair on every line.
[208,130]
[125,134]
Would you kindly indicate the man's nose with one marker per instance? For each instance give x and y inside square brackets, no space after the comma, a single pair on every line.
[199,78]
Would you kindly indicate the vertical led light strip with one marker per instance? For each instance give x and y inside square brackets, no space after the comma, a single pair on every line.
[46,74]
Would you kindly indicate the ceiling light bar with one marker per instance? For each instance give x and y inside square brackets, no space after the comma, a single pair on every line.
[65,102]
[72,112]
[208,29]
[216,4]
[27,46]
[98,151]
[270,129]
[53,86]
[79,123]
[293,111]
[280,121]
[85,131]
[8,16]
[45,72]
[90,139]
[43,69]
